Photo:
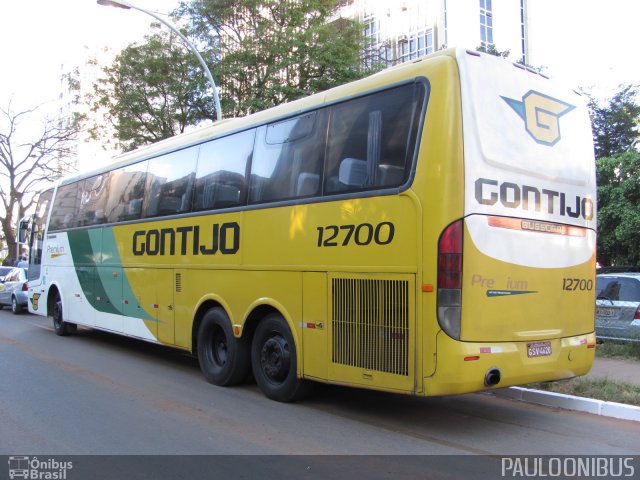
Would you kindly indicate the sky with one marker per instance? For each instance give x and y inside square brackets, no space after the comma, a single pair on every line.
[587,43]
[42,39]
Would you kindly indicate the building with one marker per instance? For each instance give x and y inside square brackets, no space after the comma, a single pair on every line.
[401,30]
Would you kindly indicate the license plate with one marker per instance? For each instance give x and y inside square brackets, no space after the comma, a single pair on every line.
[538,349]
[605,312]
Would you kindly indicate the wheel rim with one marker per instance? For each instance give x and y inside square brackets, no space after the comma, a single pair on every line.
[275,358]
[220,351]
[14,305]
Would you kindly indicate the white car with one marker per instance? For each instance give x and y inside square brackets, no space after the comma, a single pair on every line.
[618,306]
[13,290]
[4,271]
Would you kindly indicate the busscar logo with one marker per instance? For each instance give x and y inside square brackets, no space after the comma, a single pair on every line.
[541,114]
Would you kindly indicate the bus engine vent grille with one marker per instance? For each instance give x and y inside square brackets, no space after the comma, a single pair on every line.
[178,282]
[370,323]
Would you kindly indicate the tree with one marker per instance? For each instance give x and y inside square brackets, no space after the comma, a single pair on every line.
[615,134]
[29,163]
[261,52]
[267,52]
[619,209]
[151,91]
[615,125]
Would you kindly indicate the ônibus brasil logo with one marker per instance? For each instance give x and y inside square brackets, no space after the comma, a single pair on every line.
[541,114]
[38,469]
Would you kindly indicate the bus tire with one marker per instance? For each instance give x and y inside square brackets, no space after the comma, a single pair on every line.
[61,327]
[274,361]
[224,359]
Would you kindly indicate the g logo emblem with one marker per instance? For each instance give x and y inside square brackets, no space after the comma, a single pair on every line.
[541,115]
[34,300]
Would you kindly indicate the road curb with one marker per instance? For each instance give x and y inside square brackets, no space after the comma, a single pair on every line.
[570,402]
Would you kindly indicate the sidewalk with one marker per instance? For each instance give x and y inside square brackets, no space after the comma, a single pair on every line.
[627,371]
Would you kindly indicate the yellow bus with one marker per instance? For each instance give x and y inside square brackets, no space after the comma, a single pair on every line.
[428,230]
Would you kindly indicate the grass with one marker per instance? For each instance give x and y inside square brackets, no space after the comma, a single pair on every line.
[597,388]
[601,388]
[622,350]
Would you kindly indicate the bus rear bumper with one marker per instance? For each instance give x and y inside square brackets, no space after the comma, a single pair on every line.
[463,367]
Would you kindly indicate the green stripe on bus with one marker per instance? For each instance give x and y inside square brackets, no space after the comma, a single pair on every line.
[84,258]
[110,247]
[104,292]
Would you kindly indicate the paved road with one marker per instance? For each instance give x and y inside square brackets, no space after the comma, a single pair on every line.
[96,393]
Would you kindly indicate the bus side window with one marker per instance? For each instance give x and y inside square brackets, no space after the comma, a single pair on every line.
[170,179]
[65,207]
[221,173]
[371,140]
[93,194]
[127,193]
[288,158]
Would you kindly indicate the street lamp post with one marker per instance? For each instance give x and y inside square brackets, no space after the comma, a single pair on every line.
[126,5]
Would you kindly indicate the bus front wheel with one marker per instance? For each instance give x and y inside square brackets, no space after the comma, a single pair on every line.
[61,327]
[224,359]
[273,358]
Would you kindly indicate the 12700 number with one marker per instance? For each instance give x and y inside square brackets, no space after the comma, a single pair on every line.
[577,284]
[363,234]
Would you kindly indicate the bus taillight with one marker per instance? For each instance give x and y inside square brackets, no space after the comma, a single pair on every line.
[450,257]
[450,279]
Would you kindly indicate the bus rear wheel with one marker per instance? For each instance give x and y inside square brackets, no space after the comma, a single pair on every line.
[273,358]
[224,359]
[61,327]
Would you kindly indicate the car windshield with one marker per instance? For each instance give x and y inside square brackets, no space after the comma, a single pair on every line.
[622,289]
[5,270]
